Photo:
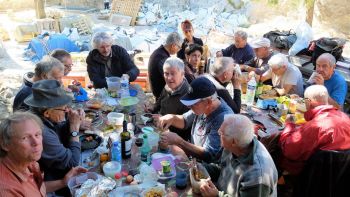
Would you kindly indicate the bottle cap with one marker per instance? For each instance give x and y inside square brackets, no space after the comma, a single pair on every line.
[118,175]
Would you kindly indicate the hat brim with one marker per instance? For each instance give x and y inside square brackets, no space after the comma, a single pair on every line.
[62,100]
[189,102]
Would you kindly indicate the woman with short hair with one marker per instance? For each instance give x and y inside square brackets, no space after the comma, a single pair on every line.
[194,54]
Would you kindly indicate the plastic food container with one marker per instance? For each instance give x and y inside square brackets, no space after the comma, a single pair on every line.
[111,168]
[152,137]
[75,182]
[115,118]
[197,184]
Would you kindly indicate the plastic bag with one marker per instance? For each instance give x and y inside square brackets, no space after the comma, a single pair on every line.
[304,36]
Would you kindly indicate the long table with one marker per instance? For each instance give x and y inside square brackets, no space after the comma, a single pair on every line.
[256,114]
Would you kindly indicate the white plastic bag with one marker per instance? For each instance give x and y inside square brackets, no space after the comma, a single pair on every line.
[304,36]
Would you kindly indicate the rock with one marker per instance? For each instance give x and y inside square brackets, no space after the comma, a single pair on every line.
[333,14]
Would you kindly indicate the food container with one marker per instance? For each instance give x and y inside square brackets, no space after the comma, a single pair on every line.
[94,104]
[111,168]
[154,191]
[204,177]
[75,182]
[152,137]
[116,119]
[146,118]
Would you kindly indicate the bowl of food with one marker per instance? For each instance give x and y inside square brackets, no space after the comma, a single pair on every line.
[89,141]
[94,104]
[154,192]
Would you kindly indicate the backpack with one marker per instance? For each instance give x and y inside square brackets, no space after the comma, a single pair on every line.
[281,39]
[333,46]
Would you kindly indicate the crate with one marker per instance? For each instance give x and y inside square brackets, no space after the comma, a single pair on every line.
[126,7]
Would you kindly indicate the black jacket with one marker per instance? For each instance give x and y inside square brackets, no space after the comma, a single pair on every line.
[155,70]
[169,103]
[23,93]
[121,64]
[235,103]
[181,53]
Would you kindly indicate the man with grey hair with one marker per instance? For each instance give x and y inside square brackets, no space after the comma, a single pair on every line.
[334,82]
[204,119]
[175,87]
[327,128]
[47,68]
[240,51]
[108,60]
[221,73]
[155,65]
[286,78]
[246,167]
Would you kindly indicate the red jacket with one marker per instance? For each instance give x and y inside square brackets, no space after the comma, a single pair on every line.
[326,129]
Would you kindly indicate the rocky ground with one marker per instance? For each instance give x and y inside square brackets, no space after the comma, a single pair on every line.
[12,65]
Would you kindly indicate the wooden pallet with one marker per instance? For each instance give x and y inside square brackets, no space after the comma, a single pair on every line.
[126,7]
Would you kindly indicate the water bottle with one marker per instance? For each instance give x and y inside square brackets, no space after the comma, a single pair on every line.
[251,87]
[145,150]
[116,152]
[124,86]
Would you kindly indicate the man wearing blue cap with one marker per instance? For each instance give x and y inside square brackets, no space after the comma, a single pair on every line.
[205,118]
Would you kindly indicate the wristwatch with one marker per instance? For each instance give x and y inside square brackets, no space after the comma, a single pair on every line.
[74,134]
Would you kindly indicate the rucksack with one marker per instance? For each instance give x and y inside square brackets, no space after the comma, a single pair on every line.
[281,39]
[333,46]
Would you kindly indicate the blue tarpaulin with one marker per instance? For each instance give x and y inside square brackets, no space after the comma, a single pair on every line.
[39,47]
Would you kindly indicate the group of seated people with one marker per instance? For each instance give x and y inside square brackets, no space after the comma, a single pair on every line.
[201,115]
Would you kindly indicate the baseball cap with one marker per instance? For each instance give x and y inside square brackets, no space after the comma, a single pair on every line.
[200,88]
[260,42]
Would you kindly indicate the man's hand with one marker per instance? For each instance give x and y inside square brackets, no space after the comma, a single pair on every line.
[73,172]
[85,125]
[209,190]
[318,79]
[219,54]
[170,138]
[164,122]
[74,117]
[236,81]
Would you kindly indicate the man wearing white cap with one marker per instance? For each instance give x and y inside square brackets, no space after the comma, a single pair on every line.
[205,118]
[259,64]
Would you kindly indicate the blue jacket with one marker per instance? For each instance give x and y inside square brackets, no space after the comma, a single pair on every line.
[240,55]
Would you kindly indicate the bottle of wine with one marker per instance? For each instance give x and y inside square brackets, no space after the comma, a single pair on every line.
[126,141]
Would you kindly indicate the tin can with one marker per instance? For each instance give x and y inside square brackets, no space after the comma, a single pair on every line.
[166,169]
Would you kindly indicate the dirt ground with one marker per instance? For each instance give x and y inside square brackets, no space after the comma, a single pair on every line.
[13,66]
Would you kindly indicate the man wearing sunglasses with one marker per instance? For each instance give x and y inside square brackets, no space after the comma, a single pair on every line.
[205,117]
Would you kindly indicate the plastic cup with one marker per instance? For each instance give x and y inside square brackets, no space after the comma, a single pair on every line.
[116,119]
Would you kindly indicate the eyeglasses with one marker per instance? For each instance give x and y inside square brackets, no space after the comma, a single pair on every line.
[68,65]
[64,110]
[187,31]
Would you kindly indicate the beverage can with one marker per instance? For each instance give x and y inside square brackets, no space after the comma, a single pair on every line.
[165,167]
